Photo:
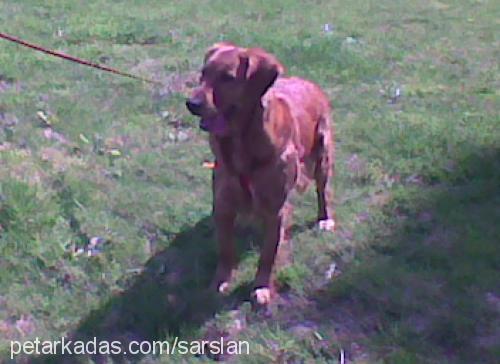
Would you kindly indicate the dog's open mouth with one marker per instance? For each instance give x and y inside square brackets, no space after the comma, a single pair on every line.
[216,124]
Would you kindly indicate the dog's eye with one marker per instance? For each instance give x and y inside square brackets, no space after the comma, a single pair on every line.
[226,77]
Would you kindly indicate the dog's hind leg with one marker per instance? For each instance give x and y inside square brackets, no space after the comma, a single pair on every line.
[323,174]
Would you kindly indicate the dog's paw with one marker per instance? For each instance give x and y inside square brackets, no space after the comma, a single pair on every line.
[326,225]
[223,288]
[262,296]
[221,282]
[220,286]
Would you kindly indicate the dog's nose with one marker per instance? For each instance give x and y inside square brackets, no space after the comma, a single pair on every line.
[194,106]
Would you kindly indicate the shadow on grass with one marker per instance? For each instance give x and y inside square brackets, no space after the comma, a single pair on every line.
[168,298]
[427,289]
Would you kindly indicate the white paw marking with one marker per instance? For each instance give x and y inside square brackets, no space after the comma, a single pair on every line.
[263,296]
[326,225]
[223,287]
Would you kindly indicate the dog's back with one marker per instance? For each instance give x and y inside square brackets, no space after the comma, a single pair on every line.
[309,115]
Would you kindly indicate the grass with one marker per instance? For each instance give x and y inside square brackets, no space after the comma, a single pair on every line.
[115,168]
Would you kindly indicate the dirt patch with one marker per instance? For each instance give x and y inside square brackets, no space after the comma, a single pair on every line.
[441,237]
[334,328]
[174,84]
[25,169]
[171,83]
[7,120]
[7,84]
[17,328]
[59,160]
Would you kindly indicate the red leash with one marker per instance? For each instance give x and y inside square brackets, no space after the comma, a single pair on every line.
[73,59]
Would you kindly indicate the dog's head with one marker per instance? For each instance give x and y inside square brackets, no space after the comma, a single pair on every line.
[232,79]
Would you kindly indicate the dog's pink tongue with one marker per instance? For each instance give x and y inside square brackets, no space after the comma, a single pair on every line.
[216,125]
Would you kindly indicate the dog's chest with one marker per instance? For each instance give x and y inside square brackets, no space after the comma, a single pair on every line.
[242,157]
[264,179]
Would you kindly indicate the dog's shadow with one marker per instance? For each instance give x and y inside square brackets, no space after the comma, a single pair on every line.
[169,297]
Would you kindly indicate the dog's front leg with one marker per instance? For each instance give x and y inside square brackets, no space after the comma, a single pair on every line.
[224,225]
[273,235]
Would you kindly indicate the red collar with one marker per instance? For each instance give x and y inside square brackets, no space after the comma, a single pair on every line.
[245,182]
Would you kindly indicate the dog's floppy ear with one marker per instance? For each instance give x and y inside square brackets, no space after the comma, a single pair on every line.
[217,46]
[260,69]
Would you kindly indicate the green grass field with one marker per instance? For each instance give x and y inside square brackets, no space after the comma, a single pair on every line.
[93,162]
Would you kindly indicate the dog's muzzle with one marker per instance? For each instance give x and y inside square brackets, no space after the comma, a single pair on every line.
[194,106]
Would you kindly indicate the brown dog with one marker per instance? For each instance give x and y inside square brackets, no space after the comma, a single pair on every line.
[270,134]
